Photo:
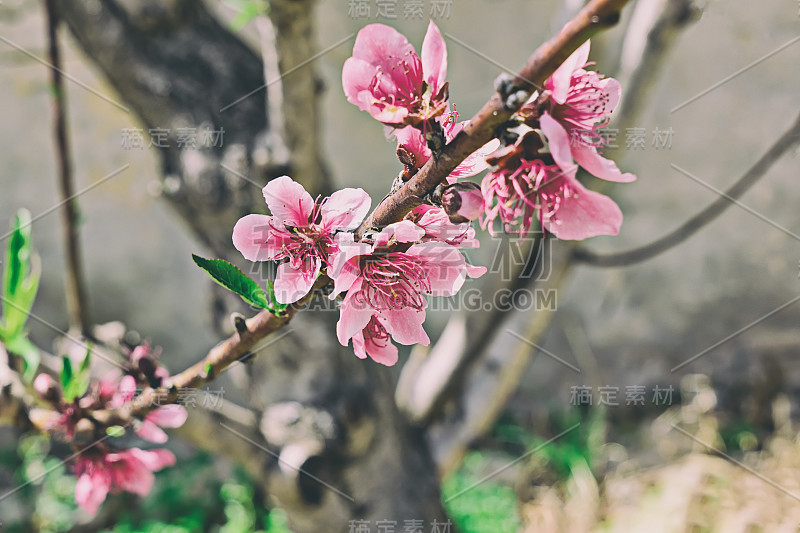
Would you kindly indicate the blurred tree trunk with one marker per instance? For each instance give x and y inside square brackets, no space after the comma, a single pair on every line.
[319,408]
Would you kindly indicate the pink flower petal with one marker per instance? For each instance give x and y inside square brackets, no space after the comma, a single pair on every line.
[475,271]
[129,473]
[356,78]
[168,416]
[434,58]
[587,215]
[475,163]
[559,82]
[291,284]
[444,265]
[558,140]
[404,231]
[125,391]
[405,326]
[250,236]
[378,44]
[43,383]
[385,354]
[413,141]
[344,274]
[599,166]
[150,432]
[613,90]
[91,491]
[343,268]
[354,315]
[359,347]
[154,460]
[345,209]
[288,201]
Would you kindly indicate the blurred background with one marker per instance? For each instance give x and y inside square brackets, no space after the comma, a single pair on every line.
[702,331]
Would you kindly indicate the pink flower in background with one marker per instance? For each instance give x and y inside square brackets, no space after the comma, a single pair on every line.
[386,290]
[580,104]
[100,472]
[166,416]
[300,232]
[534,190]
[387,78]
[413,141]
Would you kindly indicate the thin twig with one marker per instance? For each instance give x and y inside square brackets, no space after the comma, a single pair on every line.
[701,219]
[220,357]
[77,301]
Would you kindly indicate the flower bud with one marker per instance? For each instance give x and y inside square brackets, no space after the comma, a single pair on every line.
[462,202]
[47,388]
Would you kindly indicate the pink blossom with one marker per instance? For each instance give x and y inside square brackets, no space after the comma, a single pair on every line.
[414,142]
[580,104]
[166,416]
[386,289]
[532,189]
[438,227]
[144,362]
[387,78]
[300,232]
[100,472]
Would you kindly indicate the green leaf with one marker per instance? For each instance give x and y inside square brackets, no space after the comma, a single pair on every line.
[17,253]
[74,385]
[274,305]
[86,363]
[66,372]
[115,431]
[30,354]
[21,273]
[233,279]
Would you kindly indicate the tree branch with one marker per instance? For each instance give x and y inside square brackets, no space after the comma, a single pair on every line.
[457,413]
[74,283]
[221,356]
[597,15]
[785,143]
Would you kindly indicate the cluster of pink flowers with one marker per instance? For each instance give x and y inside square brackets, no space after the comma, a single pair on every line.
[387,276]
[530,182]
[100,466]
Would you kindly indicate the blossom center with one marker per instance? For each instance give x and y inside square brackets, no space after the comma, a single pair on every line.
[394,281]
[376,333]
[587,106]
[402,85]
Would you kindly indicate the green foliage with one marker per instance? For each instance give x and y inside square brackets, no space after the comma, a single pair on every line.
[75,384]
[276,307]
[480,507]
[481,504]
[46,501]
[577,447]
[233,279]
[740,435]
[248,10]
[21,274]
[194,495]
